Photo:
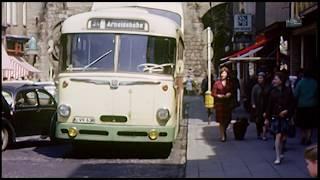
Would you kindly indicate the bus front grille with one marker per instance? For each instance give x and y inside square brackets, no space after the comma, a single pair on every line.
[130,133]
[93,132]
[114,119]
[134,133]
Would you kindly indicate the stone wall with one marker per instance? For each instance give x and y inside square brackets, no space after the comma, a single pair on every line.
[195,45]
[54,13]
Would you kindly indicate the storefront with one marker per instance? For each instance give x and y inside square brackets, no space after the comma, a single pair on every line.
[303,42]
[15,67]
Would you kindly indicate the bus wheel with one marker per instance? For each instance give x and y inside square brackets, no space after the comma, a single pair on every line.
[5,138]
[79,146]
[165,149]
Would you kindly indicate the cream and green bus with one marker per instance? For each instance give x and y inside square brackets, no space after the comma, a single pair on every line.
[120,74]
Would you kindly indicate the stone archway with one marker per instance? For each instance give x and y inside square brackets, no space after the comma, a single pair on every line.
[219,18]
[196,59]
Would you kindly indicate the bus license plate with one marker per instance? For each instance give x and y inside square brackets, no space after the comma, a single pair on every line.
[83,120]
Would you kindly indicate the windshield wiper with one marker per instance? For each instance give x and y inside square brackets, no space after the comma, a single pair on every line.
[98,59]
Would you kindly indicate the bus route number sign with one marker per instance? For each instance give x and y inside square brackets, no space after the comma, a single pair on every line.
[118,24]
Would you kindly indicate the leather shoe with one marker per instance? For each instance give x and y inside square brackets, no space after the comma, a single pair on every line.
[223,139]
[277,161]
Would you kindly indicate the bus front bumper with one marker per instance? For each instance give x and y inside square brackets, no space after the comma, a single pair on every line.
[99,132]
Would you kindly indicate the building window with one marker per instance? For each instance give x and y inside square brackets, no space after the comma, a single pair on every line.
[14,13]
[24,14]
[15,48]
[8,6]
[4,13]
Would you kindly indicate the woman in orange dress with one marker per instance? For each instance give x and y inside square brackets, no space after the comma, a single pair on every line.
[222,89]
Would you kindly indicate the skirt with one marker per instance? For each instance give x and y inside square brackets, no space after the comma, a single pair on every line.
[223,114]
[279,125]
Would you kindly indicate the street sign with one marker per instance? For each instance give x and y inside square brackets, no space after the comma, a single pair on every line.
[210,55]
[293,23]
[210,34]
[207,35]
[205,53]
[243,23]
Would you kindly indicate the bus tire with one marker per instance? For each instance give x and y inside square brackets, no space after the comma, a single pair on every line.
[166,149]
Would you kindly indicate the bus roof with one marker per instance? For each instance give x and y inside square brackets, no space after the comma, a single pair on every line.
[158,25]
[169,6]
[175,7]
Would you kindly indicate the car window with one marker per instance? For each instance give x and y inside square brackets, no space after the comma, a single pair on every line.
[51,89]
[8,97]
[26,98]
[45,99]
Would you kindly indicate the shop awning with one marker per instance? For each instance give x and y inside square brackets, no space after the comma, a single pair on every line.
[261,40]
[247,53]
[244,57]
[26,65]
[15,67]
[5,61]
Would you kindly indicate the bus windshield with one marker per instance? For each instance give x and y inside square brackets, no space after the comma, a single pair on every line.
[137,53]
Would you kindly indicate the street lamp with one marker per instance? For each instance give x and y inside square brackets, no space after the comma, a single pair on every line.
[209,101]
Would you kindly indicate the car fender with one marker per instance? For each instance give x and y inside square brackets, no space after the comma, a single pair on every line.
[6,122]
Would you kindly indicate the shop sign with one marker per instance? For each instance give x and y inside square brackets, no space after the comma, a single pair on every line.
[243,23]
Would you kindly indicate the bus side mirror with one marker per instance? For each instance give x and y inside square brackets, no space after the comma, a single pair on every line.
[179,68]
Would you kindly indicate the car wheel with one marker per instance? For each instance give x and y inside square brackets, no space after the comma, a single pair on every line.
[5,138]
[52,129]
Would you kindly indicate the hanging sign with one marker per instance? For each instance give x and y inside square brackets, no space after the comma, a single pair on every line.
[243,23]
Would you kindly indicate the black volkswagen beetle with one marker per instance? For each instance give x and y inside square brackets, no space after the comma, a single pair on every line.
[27,110]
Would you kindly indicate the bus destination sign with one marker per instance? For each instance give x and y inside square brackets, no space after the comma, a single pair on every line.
[118,24]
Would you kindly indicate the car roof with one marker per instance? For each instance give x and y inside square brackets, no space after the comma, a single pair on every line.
[15,86]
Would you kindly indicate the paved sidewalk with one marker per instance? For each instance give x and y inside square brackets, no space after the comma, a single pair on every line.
[249,158]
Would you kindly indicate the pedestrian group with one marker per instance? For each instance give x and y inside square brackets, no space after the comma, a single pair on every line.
[275,105]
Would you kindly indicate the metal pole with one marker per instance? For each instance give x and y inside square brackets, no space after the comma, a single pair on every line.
[209,60]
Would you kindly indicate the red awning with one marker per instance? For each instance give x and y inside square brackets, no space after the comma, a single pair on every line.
[15,67]
[261,40]
[26,65]
[5,61]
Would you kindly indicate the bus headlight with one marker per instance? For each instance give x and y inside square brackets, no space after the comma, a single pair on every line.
[64,110]
[163,115]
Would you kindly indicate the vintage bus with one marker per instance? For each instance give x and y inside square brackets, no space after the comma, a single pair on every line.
[120,74]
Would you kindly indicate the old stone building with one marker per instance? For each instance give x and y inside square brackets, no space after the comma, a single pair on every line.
[41,21]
